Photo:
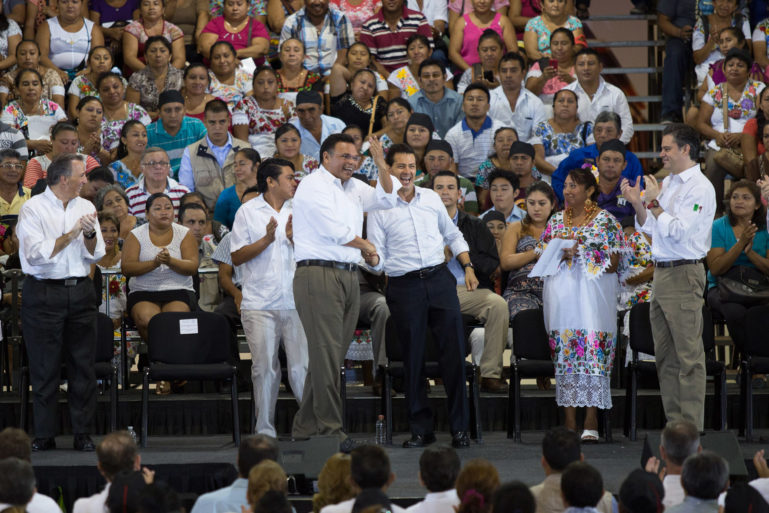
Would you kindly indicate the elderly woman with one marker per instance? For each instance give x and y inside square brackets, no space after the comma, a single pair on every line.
[256,118]
[64,139]
[151,23]
[28,57]
[740,243]
[358,58]
[145,86]
[66,40]
[113,199]
[292,75]
[116,109]
[555,138]
[545,77]
[245,164]
[536,36]
[583,336]
[248,36]
[229,81]
[127,164]
[159,258]
[288,144]
[360,106]
[465,42]
[723,114]
[99,61]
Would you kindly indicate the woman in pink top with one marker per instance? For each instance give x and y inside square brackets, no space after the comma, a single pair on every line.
[248,36]
[458,8]
[465,33]
[357,11]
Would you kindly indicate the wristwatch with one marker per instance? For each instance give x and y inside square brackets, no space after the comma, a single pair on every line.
[468,264]
[90,236]
[653,204]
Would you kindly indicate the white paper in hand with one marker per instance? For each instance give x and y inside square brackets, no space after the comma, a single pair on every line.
[39,127]
[550,260]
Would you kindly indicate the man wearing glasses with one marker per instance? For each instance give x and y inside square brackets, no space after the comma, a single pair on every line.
[328,223]
[155,178]
[12,193]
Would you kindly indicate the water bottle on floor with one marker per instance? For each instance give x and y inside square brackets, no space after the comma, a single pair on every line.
[380,430]
[133,434]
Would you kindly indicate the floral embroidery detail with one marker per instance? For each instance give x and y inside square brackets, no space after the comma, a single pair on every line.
[581,351]
[562,143]
[745,108]
[260,120]
[537,25]
[309,165]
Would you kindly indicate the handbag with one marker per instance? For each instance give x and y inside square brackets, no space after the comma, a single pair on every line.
[729,159]
[744,285]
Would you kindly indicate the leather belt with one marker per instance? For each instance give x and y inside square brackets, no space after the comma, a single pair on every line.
[65,282]
[676,263]
[421,273]
[344,266]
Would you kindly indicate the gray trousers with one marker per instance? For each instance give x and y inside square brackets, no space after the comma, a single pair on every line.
[374,311]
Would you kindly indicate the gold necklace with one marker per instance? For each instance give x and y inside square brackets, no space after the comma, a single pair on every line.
[590,209]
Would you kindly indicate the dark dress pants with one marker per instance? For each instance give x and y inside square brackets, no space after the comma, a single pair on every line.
[678,56]
[416,304]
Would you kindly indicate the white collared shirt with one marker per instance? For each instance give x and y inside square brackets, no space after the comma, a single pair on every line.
[529,110]
[683,230]
[268,278]
[470,151]
[674,491]
[224,500]
[42,220]
[434,10]
[346,507]
[436,502]
[607,97]
[328,214]
[96,503]
[40,504]
[412,235]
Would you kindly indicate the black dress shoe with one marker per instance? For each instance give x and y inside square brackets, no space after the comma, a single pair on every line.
[43,444]
[460,440]
[419,441]
[347,445]
[83,443]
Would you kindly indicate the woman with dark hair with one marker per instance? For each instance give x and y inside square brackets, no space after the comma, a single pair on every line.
[229,81]
[10,37]
[418,50]
[113,199]
[361,106]
[752,140]
[288,145]
[117,111]
[88,117]
[739,240]
[545,78]
[116,283]
[28,57]
[127,165]
[580,300]
[256,117]
[195,90]
[418,134]
[536,35]
[292,75]
[358,58]
[245,165]
[159,258]
[490,50]
[151,22]
[397,115]
[248,35]
[468,32]
[99,61]
[145,86]
[64,139]
[555,138]
[503,139]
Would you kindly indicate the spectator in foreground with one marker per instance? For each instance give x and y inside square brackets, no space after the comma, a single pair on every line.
[17,485]
[513,497]
[680,439]
[15,443]
[641,492]
[475,486]
[438,471]
[704,476]
[743,497]
[581,487]
[334,483]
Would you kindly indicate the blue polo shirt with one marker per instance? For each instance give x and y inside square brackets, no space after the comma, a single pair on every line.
[191,131]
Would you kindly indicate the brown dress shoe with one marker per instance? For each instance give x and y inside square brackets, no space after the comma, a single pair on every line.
[494,385]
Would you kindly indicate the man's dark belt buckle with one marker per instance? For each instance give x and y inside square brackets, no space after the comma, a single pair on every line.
[70,282]
[424,272]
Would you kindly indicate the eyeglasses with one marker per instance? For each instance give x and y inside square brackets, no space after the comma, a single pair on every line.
[8,165]
[156,163]
[347,156]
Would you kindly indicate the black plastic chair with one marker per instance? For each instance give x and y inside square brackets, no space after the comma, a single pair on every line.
[104,368]
[431,370]
[188,345]
[755,360]
[641,341]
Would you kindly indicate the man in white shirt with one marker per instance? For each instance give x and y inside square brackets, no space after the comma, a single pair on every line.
[252,451]
[421,293]
[314,126]
[679,217]
[680,439]
[595,95]
[473,138]
[263,244]
[15,443]
[438,470]
[116,453]
[328,223]
[59,239]
[512,104]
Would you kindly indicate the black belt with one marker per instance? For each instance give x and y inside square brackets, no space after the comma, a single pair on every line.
[66,282]
[676,263]
[421,273]
[344,266]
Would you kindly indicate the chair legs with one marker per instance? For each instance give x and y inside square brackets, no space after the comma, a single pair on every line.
[343,392]
[475,406]
[747,388]
[720,381]
[511,407]
[24,394]
[516,382]
[387,398]
[113,399]
[632,434]
[145,406]
[235,412]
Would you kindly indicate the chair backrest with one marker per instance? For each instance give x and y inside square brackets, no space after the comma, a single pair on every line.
[530,338]
[105,338]
[756,329]
[641,338]
[188,338]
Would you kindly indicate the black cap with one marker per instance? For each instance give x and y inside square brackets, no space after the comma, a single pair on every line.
[309,97]
[494,215]
[520,147]
[642,492]
[420,119]
[612,145]
[170,96]
[439,145]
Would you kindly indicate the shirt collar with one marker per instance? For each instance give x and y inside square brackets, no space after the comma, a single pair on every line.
[50,196]
[226,145]
[601,85]
[456,217]
[440,496]
[688,174]
[485,126]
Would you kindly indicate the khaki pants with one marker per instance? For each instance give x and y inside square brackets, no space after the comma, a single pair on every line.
[491,309]
[327,301]
[676,322]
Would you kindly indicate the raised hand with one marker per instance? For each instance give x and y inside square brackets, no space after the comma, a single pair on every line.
[272,225]
[631,192]
[290,228]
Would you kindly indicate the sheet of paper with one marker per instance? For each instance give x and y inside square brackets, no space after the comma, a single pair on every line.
[249,65]
[550,260]
[188,326]
[40,126]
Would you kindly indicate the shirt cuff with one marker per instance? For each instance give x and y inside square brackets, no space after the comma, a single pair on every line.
[663,223]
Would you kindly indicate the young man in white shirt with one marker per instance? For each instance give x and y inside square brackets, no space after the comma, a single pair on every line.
[512,104]
[263,244]
[438,470]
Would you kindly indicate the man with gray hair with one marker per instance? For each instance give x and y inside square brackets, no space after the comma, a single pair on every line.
[17,483]
[156,168]
[59,239]
[704,476]
[680,439]
[15,444]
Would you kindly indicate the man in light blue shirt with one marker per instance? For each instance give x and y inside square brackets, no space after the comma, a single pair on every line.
[173,131]
[253,450]
[503,189]
[443,105]
[313,126]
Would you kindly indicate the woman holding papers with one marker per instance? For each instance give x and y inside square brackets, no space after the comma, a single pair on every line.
[580,299]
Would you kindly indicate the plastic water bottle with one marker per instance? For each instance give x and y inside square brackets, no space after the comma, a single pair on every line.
[133,434]
[380,430]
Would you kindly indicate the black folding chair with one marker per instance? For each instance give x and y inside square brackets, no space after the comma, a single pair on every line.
[188,345]
[755,360]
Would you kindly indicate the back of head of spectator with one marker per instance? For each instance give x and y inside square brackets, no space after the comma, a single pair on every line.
[513,497]
[125,491]
[267,475]
[254,450]
[117,452]
[476,483]
[334,483]
[641,492]
[742,498]
[273,501]
[15,443]
[370,467]
[705,475]
[371,497]
[680,439]
[439,468]
[581,485]
[17,483]
[560,446]
[159,498]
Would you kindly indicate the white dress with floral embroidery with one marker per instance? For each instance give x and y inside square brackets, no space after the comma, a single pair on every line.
[580,308]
